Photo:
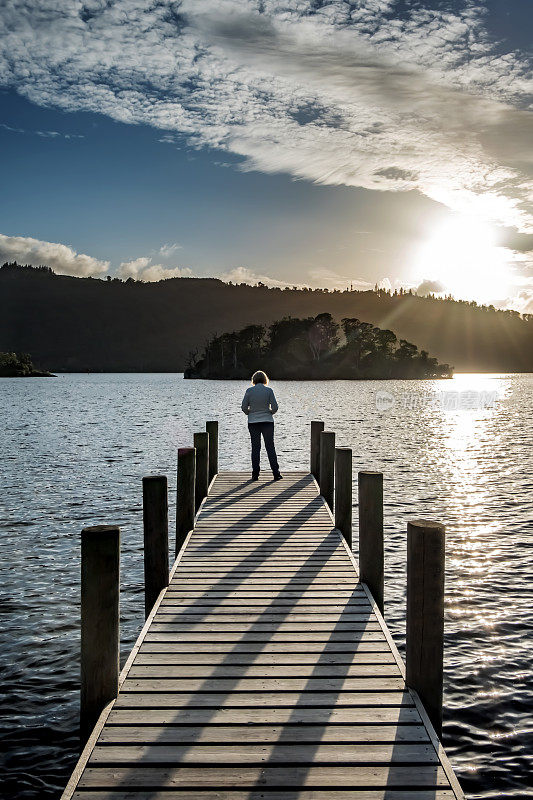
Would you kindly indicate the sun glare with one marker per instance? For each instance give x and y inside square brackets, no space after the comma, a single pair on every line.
[462,257]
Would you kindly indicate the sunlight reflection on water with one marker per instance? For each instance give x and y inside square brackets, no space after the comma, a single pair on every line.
[459,451]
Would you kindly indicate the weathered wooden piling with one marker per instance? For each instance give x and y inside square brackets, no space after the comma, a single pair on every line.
[264,635]
[425,615]
[155,523]
[100,591]
[327,466]
[212,430]
[201,443]
[371,561]
[316,429]
[185,503]
[343,492]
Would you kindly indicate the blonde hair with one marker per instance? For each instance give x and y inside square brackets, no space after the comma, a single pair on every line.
[259,377]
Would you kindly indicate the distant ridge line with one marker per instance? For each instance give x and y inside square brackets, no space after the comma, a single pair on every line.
[71,324]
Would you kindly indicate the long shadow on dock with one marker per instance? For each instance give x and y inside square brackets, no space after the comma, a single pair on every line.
[344,632]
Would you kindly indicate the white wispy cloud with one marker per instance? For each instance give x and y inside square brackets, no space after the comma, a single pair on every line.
[60,257]
[522,301]
[429,286]
[319,277]
[337,93]
[42,134]
[167,250]
[324,276]
[142,269]
[245,275]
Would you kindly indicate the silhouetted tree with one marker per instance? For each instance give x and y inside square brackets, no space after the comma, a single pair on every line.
[323,335]
[309,347]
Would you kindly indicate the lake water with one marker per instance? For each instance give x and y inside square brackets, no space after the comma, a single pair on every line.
[74,451]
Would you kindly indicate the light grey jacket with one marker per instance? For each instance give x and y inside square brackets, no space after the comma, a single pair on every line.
[259,403]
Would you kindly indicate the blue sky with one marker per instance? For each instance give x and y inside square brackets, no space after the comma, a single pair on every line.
[320,143]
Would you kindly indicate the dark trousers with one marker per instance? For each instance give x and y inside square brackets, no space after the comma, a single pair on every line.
[267,429]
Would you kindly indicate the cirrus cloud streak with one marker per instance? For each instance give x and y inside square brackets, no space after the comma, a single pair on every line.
[338,94]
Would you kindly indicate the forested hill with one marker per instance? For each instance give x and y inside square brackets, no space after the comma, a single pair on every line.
[79,324]
[315,348]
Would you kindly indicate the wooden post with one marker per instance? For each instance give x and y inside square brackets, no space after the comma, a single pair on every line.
[316,429]
[343,492]
[201,443]
[327,466]
[185,506]
[425,615]
[371,566]
[100,590]
[155,519]
[212,429]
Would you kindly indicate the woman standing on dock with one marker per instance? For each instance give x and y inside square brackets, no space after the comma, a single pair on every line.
[259,404]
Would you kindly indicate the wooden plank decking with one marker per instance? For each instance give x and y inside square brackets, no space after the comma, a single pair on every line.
[264,671]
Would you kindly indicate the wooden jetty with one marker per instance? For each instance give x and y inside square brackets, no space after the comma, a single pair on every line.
[265,669]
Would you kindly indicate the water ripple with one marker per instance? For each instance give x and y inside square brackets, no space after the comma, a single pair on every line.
[76,448]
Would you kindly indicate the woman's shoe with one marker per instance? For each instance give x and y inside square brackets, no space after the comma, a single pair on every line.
[278,477]
[255,477]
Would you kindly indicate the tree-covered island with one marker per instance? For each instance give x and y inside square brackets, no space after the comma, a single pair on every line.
[19,365]
[314,348]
